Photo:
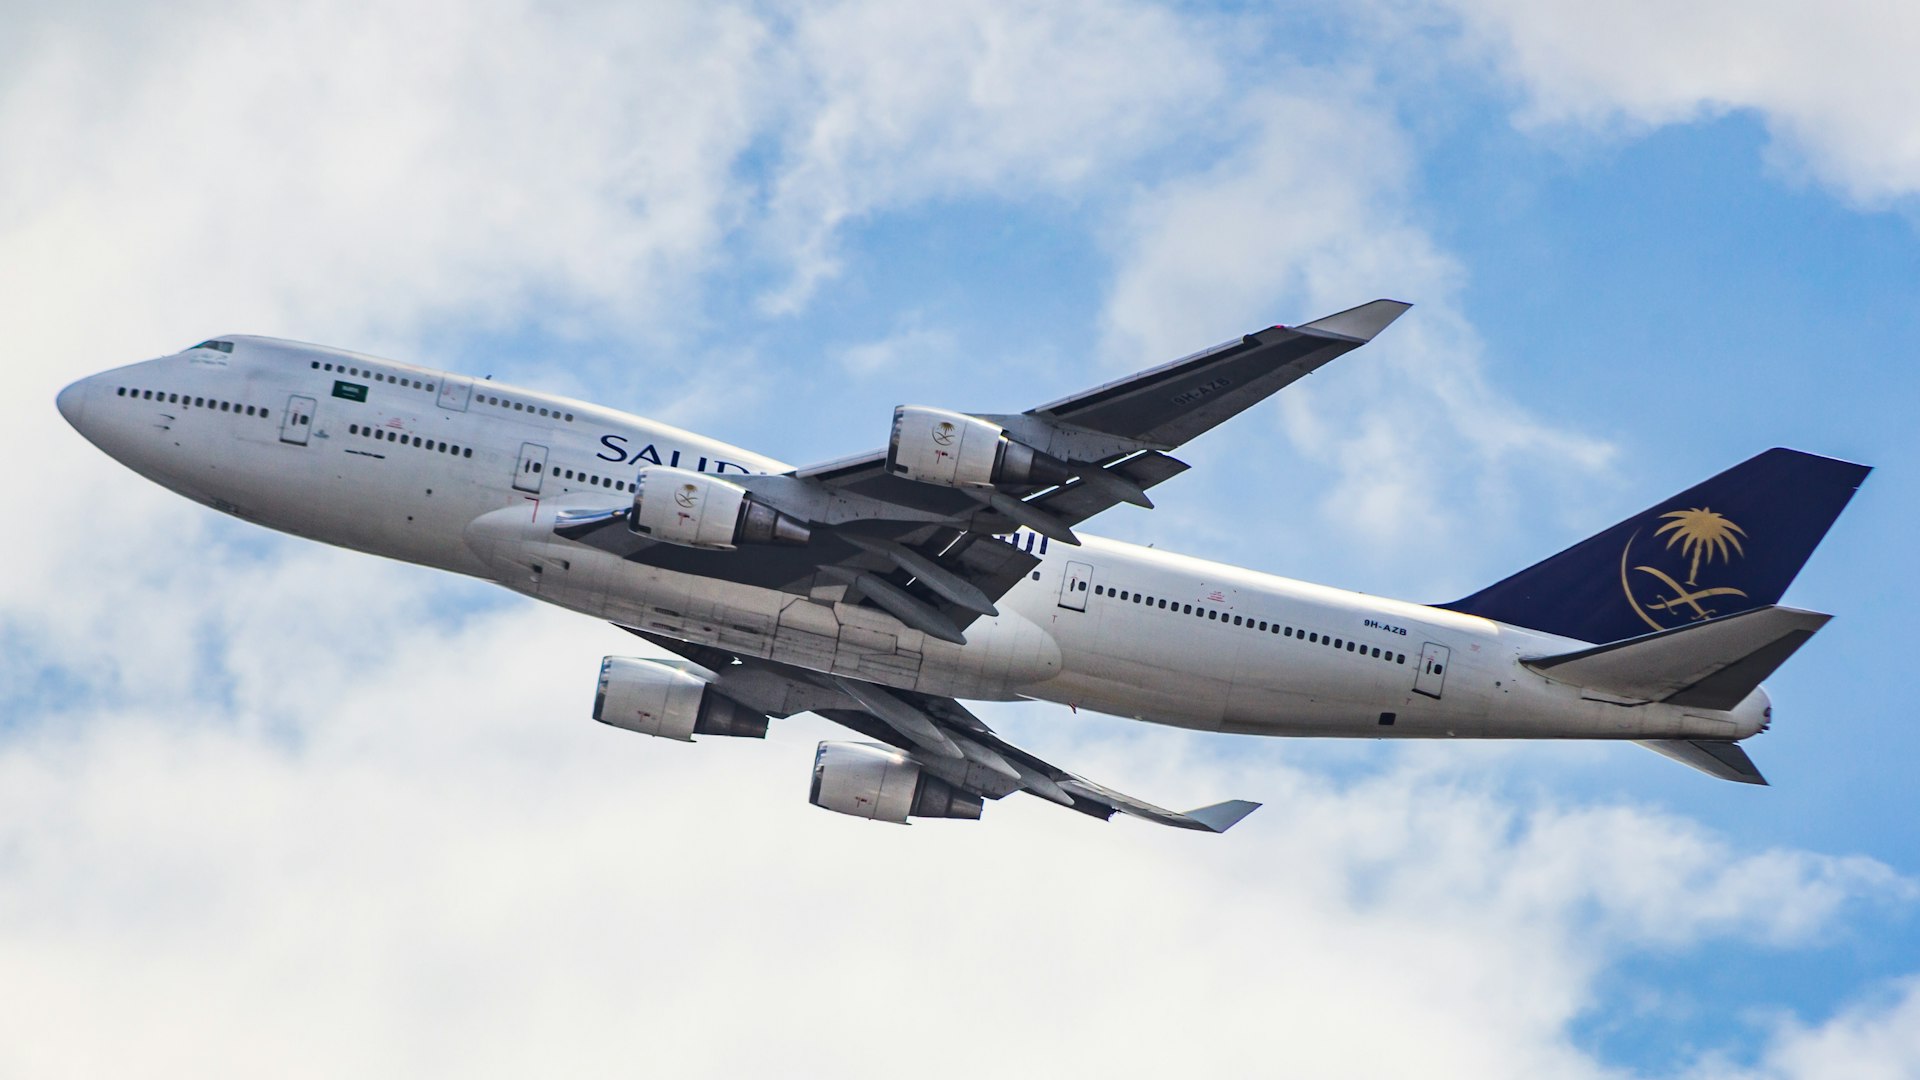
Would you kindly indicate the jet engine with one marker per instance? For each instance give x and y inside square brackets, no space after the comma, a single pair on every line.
[868,780]
[935,446]
[691,509]
[658,697]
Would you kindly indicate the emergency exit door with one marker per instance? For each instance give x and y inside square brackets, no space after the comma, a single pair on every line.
[1431,676]
[1073,587]
[297,424]
[532,464]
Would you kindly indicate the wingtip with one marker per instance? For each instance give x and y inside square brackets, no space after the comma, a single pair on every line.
[1224,815]
[1361,323]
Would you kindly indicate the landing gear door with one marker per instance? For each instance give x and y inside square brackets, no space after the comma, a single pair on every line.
[297,424]
[533,463]
[454,394]
[1074,586]
[1432,673]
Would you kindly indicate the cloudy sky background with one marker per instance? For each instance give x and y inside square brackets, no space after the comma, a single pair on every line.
[268,807]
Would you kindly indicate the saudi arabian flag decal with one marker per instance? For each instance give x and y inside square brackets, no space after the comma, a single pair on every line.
[352,391]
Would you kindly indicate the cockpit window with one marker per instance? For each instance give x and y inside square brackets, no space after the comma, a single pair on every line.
[223,346]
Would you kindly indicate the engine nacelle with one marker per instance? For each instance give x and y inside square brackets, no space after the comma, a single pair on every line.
[655,697]
[936,446]
[868,780]
[691,509]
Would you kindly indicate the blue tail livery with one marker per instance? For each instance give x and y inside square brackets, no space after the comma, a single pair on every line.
[1731,544]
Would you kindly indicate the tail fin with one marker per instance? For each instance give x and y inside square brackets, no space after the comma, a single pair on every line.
[1728,545]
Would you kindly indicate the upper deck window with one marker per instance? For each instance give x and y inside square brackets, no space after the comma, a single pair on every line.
[222,346]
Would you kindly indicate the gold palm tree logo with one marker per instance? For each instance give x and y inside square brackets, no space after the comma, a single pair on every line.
[1702,535]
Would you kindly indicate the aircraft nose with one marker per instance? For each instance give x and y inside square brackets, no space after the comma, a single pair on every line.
[72,403]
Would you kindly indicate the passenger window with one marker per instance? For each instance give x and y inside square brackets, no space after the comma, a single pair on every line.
[468,452]
[1186,609]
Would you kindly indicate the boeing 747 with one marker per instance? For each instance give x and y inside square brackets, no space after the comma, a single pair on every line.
[881,590]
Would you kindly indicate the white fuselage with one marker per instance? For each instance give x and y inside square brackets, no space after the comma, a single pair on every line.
[468,475]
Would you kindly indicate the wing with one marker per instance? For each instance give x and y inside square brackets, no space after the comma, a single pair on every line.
[938,733]
[930,554]
[1156,410]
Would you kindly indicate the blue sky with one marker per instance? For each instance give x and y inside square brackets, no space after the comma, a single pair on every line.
[311,793]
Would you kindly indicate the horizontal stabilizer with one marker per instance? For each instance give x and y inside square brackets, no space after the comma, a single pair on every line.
[1708,665]
[1715,758]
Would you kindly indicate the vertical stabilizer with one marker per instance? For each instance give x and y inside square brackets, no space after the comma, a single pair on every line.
[1731,544]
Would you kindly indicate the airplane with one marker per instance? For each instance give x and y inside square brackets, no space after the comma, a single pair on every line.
[882,590]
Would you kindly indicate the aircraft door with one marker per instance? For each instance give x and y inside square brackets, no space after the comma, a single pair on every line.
[1431,675]
[454,394]
[533,462]
[297,424]
[1074,586]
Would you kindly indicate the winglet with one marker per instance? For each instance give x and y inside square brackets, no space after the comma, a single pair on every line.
[1224,815]
[1359,323]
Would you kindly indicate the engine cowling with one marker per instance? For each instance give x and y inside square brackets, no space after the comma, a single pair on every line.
[868,780]
[936,446]
[692,509]
[655,697]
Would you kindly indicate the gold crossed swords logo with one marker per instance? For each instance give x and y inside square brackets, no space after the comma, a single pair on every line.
[1702,537]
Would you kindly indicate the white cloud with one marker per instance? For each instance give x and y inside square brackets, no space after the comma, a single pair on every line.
[1309,214]
[1873,1039]
[899,105]
[912,343]
[401,861]
[1832,83]
[270,807]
